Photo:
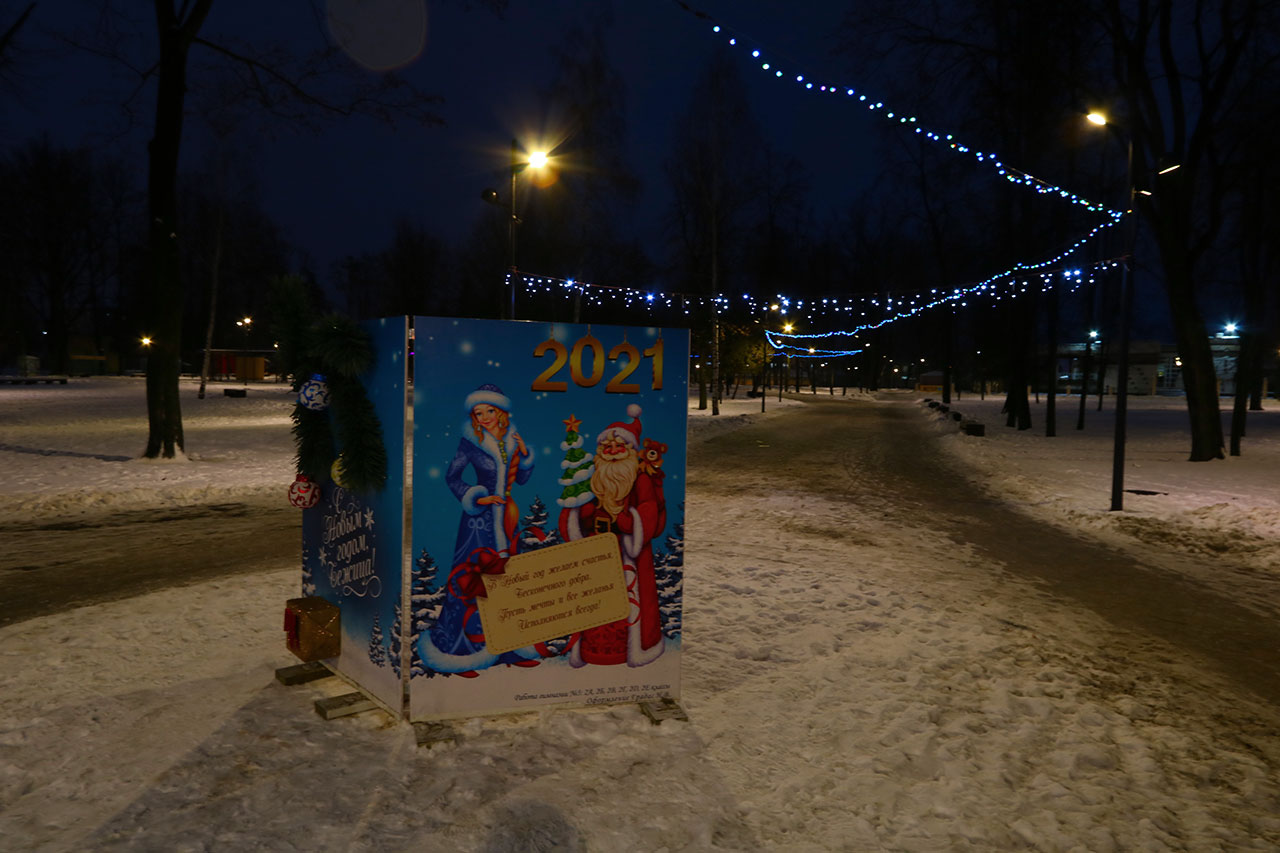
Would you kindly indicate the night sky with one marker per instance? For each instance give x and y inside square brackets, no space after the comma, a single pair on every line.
[338,192]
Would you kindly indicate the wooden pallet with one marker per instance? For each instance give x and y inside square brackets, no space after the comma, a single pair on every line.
[665,708]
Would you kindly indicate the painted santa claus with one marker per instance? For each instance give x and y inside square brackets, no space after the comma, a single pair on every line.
[628,503]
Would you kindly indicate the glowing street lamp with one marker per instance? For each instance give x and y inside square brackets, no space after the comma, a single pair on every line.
[537,160]
[1126,309]
[786,370]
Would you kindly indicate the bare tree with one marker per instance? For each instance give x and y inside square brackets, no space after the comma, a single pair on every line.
[578,216]
[60,249]
[8,38]
[712,173]
[302,90]
[1178,74]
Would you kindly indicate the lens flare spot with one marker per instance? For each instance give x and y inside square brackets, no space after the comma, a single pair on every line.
[380,35]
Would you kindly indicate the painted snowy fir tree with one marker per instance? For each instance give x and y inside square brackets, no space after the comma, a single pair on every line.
[668,567]
[675,543]
[424,609]
[308,582]
[377,651]
[396,650]
[577,464]
[533,528]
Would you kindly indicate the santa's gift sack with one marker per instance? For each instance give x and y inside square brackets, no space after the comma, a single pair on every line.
[311,628]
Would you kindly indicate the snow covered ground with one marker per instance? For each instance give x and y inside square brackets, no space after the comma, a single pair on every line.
[880,691]
[1223,514]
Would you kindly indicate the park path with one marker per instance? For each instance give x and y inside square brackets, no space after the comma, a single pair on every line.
[879,456]
[884,457]
[47,567]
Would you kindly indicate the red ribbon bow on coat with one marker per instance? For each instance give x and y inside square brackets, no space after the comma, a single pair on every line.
[468,578]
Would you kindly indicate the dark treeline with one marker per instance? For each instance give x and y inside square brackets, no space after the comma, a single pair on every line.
[1004,77]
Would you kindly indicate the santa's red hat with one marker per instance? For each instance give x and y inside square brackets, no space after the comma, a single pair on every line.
[630,433]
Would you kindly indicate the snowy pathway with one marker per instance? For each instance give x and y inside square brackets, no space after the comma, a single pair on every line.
[858,674]
[905,688]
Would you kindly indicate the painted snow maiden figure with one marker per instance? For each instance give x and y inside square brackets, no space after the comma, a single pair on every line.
[499,460]
[627,501]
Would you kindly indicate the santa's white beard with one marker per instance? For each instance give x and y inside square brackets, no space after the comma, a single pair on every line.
[612,481]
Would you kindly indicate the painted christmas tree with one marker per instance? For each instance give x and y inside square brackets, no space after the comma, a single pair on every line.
[394,653]
[377,651]
[424,609]
[533,528]
[578,466]
[675,543]
[669,574]
[308,582]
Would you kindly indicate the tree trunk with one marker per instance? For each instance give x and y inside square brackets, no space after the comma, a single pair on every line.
[947,334]
[214,266]
[164,283]
[702,389]
[1087,364]
[1240,408]
[1198,375]
[1017,406]
[1051,405]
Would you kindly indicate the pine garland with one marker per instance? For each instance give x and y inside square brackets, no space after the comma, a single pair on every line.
[337,347]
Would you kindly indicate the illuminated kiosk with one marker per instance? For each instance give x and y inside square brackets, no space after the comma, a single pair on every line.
[543,560]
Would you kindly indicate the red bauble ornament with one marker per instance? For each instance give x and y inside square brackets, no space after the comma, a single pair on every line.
[303,493]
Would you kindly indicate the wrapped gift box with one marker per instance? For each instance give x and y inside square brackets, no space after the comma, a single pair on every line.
[311,627]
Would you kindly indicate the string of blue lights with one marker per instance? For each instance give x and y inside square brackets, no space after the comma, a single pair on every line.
[1010,282]
[852,94]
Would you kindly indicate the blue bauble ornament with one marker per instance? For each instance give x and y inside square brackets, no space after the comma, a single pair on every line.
[314,394]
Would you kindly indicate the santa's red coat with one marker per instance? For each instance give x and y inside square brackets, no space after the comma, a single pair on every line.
[636,640]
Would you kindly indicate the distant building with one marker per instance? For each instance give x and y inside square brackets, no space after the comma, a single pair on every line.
[929,382]
[1154,368]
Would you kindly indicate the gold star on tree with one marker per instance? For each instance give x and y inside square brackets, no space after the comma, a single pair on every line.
[571,423]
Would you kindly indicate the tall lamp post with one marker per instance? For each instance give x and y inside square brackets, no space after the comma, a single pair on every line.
[1126,312]
[787,327]
[764,355]
[536,159]
[245,325]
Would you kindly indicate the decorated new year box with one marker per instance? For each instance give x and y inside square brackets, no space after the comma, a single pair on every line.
[547,529]
[353,520]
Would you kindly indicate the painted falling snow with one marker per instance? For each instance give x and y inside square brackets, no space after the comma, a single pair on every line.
[529,436]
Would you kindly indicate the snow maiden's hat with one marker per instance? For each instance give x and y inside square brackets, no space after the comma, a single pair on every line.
[629,433]
[490,394]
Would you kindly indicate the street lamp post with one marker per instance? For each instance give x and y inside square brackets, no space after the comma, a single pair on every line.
[1126,318]
[764,355]
[245,325]
[786,370]
[511,236]
[537,159]
[1126,313]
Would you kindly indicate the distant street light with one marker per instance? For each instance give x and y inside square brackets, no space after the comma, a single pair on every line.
[146,342]
[786,369]
[764,355]
[244,325]
[536,159]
